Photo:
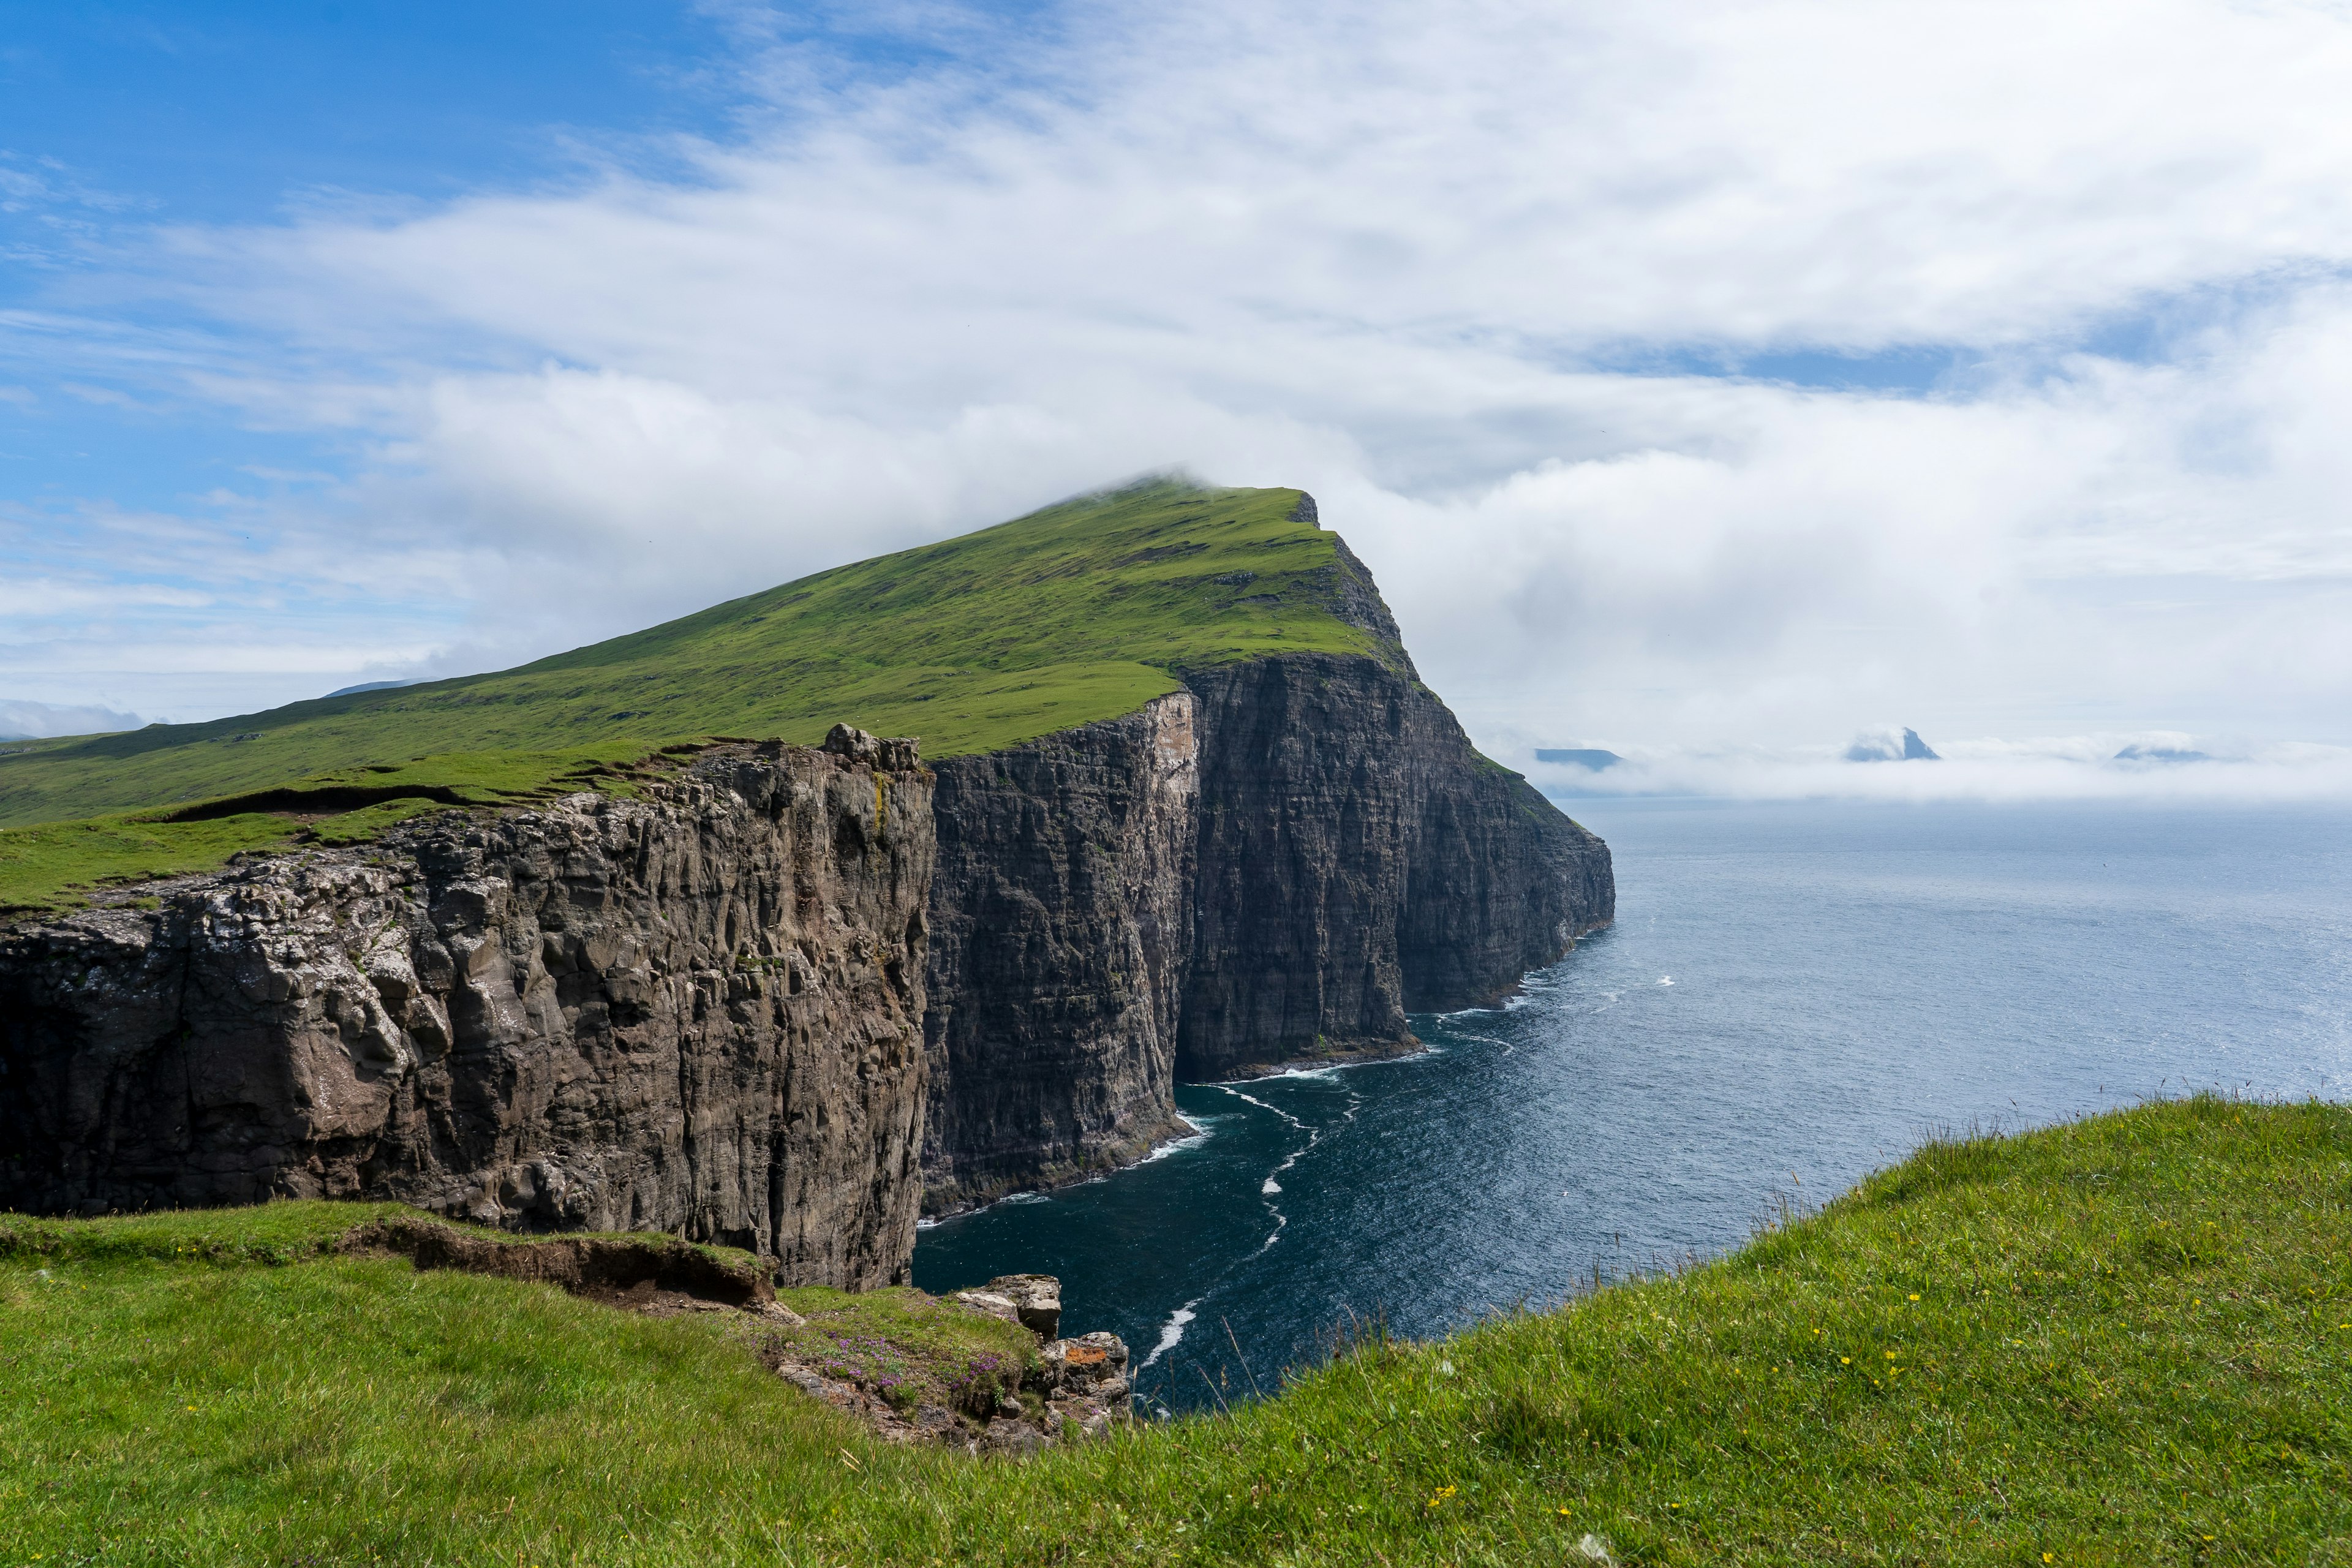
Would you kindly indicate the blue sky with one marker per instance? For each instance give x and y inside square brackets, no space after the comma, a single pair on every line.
[1708,381]
[119,120]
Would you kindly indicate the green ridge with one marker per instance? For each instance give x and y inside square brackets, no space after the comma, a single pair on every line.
[1076,613]
[2126,1341]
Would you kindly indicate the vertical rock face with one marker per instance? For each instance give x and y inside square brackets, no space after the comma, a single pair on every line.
[1499,881]
[1061,916]
[1276,864]
[697,1011]
[1358,859]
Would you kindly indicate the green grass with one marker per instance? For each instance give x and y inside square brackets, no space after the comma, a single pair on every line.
[910,1348]
[289,1231]
[2126,1341]
[1076,613]
[48,867]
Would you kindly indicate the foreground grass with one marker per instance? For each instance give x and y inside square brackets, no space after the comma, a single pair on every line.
[2126,1341]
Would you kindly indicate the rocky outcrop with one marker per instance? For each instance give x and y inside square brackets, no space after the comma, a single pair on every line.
[1032,1300]
[1275,865]
[695,1011]
[942,1387]
[1061,919]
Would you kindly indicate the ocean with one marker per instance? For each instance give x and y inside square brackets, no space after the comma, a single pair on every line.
[1794,995]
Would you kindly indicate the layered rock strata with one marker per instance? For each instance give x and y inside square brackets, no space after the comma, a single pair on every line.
[1360,860]
[697,1011]
[1272,866]
[1061,920]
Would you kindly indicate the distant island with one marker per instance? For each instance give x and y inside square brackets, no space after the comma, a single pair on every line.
[1886,749]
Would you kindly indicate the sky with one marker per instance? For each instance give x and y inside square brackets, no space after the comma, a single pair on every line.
[1711,382]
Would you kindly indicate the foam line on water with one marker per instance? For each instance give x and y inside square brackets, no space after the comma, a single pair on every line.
[1171,1332]
[1269,1187]
[1014,1198]
[1262,1105]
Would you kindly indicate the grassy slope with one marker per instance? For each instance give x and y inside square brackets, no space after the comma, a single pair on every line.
[1073,614]
[2127,1341]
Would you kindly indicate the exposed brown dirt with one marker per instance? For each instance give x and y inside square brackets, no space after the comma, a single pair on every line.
[662,1275]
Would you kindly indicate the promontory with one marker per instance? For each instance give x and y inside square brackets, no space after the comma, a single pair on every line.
[902,886]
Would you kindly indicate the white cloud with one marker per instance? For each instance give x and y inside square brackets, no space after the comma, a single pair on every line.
[1392,254]
[2085,767]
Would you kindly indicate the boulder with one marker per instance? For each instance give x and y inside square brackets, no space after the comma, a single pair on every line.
[1092,1365]
[1032,1300]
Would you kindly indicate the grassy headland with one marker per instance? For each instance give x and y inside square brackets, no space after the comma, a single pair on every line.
[1076,613]
[2124,1340]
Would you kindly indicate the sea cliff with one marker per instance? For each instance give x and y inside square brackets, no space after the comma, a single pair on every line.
[1195,816]
[1273,866]
[697,1011]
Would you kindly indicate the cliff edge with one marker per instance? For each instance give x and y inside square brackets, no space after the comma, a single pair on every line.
[695,1011]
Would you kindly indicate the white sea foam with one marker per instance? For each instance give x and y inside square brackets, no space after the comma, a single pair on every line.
[982,1208]
[1262,1105]
[1333,1069]
[1171,1332]
[1202,1131]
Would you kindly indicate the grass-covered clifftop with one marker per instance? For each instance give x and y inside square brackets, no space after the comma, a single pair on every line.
[2127,1341]
[1073,614]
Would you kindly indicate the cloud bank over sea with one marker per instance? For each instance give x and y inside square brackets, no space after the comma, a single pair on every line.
[2148,767]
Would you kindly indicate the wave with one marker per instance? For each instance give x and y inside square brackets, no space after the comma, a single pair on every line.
[1202,1131]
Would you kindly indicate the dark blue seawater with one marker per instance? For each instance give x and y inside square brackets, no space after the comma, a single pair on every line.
[1793,995]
